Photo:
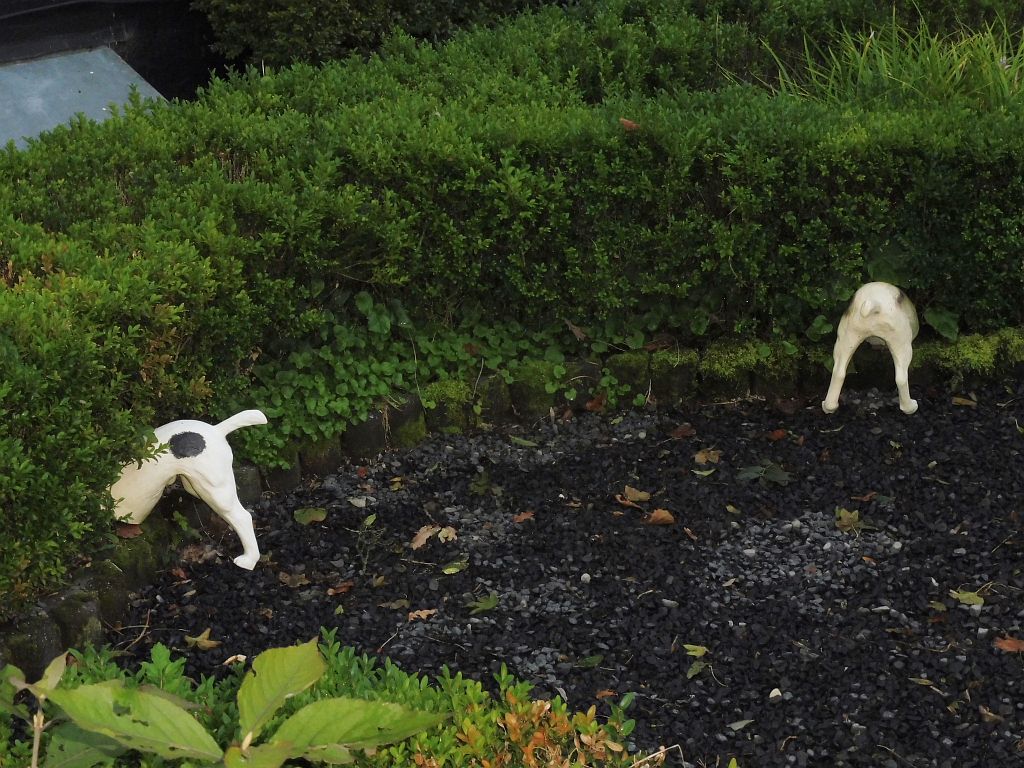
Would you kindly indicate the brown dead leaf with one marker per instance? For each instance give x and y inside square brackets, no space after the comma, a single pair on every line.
[597,403]
[422,535]
[447,534]
[634,494]
[578,332]
[267,613]
[523,516]
[626,502]
[825,456]
[1009,644]
[866,497]
[422,614]
[988,715]
[604,694]
[198,553]
[238,658]
[777,434]
[691,534]
[629,125]
[293,580]
[683,431]
[707,456]
[179,574]
[868,560]
[128,530]
[969,402]
[341,588]
[659,517]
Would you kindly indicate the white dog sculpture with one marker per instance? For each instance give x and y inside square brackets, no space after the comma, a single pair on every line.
[199,454]
[883,315]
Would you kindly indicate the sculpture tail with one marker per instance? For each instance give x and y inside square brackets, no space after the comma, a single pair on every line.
[242,419]
[867,308]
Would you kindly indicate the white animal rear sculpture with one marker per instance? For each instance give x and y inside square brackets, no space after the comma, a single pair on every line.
[199,454]
[883,315]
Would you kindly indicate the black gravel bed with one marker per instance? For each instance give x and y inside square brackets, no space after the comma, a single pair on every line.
[832,639]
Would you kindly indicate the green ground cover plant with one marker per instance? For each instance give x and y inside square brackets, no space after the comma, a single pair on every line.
[315,239]
[323,704]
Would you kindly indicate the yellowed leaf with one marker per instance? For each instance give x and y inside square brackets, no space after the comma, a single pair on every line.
[634,494]
[707,456]
[447,534]
[422,614]
[202,641]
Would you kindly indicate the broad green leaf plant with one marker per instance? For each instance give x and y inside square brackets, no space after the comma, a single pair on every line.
[100,721]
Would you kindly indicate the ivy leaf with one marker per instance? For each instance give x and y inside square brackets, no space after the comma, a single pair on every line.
[944,321]
[308,515]
[589,662]
[455,566]
[695,669]
[695,650]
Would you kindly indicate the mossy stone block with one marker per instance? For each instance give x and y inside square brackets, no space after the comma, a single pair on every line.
[108,581]
[77,615]
[1011,342]
[495,398]
[366,440]
[136,559]
[778,374]
[631,369]
[284,479]
[322,457]
[33,642]
[674,375]
[727,368]
[530,396]
[452,409]
[406,424]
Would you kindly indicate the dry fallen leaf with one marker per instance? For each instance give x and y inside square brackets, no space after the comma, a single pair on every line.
[578,332]
[202,641]
[707,456]
[422,614]
[777,434]
[293,580]
[634,494]
[342,588]
[604,693]
[447,534]
[1009,644]
[596,405]
[690,533]
[179,573]
[629,125]
[238,658]
[988,715]
[659,517]
[965,401]
[626,502]
[422,535]
[128,530]
[522,517]
[684,430]
[866,497]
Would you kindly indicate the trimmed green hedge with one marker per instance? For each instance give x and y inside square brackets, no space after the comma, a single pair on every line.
[319,238]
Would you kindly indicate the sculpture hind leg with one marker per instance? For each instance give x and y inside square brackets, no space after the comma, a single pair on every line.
[223,499]
[842,353]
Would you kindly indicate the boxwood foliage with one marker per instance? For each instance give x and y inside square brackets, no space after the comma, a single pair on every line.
[321,237]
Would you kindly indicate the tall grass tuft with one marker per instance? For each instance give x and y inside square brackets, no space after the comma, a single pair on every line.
[897,66]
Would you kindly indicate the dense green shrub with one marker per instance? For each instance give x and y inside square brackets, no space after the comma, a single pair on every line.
[287,31]
[311,240]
